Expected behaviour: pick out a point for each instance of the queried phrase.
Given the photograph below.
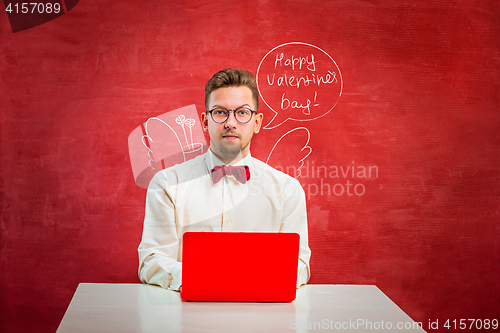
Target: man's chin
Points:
(227, 151)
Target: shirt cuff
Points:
(303, 274)
(176, 274)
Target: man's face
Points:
(230, 140)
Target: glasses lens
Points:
(219, 115)
(243, 115)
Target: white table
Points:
(145, 308)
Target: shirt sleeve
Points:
(158, 250)
(294, 219)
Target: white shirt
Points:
(184, 198)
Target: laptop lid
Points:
(239, 266)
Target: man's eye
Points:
(219, 112)
(243, 112)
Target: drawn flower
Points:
(180, 119)
(190, 123)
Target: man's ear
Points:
(204, 121)
(258, 122)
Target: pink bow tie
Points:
(241, 173)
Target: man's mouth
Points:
(230, 136)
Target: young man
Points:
(225, 189)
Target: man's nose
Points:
(231, 121)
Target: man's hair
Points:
(232, 77)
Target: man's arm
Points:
(294, 219)
(159, 247)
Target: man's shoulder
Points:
(194, 167)
(192, 163)
(267, 170)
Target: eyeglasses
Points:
(220, 114)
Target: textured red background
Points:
(421, 102)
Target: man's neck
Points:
(230, 160)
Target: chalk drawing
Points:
(163, 141)
(283, 146)
(189, 148)
(298, 81)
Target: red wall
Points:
(420, 104)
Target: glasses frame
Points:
(234, 114)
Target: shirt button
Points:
(228, 192)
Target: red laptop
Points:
(239, 266)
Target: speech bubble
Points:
(298, 81)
